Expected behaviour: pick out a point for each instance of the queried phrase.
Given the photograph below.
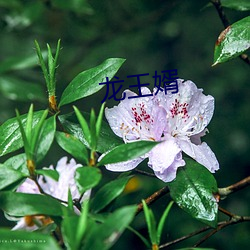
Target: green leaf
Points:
(151, 223)
(19, 90)
(8, 176)
(241, 5)
(105, 235)
(87, 82)
(127, 152)
(87, 177)
(10, 136)
(232, 41)
(19, 63)
(195, 248)
(193, 191)
(53, 174)
(108, 193)
(162, 221)
(20, 204)
(18, 162)
(16, 240)
(107, 139)
(99, 121)
(73, 146)
(92, 127)
(46, 138)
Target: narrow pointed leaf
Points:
(127, 152)
(108, 193)
(87, 177)
(99, 121)
(87, 82)
(73, 146)
(232, 41)
(193, 191)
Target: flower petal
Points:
(165, 158)
(201, 153)
(189, 110)
(137, 118)
(125, 166)
(29, 187)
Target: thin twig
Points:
(144, 173)
(223, 192)
(224, 211)
(152, 198)
(226, 23)
(235, 220)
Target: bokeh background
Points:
(150, 35)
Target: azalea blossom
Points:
(177, 120)
(58, 189)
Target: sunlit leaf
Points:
(193, 191)
(232, 41)
(87, 82)
(242, 5)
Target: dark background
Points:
(150, 35)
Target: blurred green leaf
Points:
(20, 90)
(9, 175)
(127, 152)
(16, 240)
(107, 139)
(232, 41)
(10, 136)
(195, 248)
(78, 6)
(19, 62)
(21, 204)
(193, 191)
(73, 146)
(87, 177)
(105, 235)
(242, 5)
(108, 193)
(87, 82)
(46, 137)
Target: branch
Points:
(235, 220)
(144, 173)
(226, 23)
(223, 192)
(152, 198)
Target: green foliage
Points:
(87, 178)
(87, 82)
(233, 41)
(241, 5)
(127, 152)
(108, 193)
(17, 240)
(110, 230)
(193, 190)
(29, 204)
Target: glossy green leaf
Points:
(105, 235)
(108, 193)
(46, 138)
(193, 191)
(20, 204)
(9, 175)
(87, 82)
(241, 5)
(127, 152)
(195, 248)
(18, 162)
(10, 136)
(87, 177)
(16, 240)
(19, 90)
(53, 174)
(232, 41)
(73, 146)
(107, 138)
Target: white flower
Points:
(178, 120)
(58, 189)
